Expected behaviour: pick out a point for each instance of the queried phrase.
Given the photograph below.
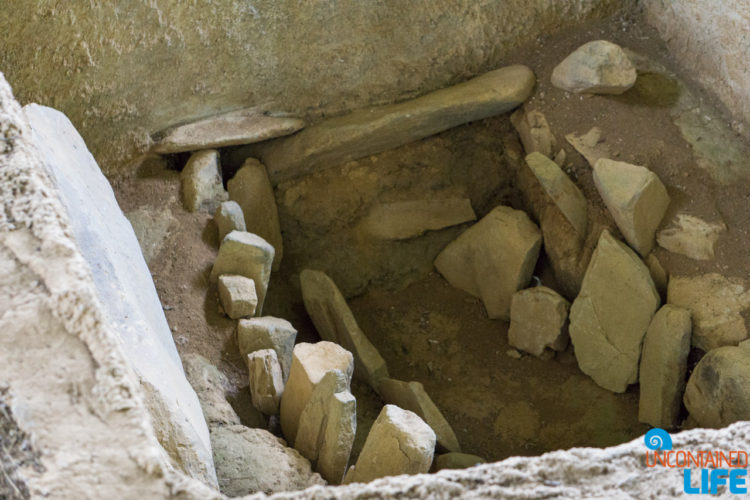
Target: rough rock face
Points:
(202, 187)
(610, 316)
(228, 218)
(691, 236)
(407, 219)
(598, 67)
(267, 332)
(266, 381)
(493, 259)
(538, 318)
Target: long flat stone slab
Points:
(373, 130)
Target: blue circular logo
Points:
(658, 439)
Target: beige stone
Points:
(610, 316)
(412, 396)
(691, 236)
(716, 304)
(590, 145)
(408, 219)
(534, 131)
(247, 255)
(538, 320)
(202, 187)
(251, 189)
(563, 192)
(663, 366)
(373, 130)
(267, 332)
(228, 218)
(717, 391)
(266, 382)
(658, 273)
(399, 442)
(244, 126)
(455, 460)
(208, 383)
(493, 259)
(635, 197)
(237, 295)
(335, 322)
(310, 363)
(598, 67)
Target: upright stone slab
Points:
(373, 130)
(202, 187)
(412, 396)
(248, 255)
(237, 295)
(266, 382)
(493, 259)
(538, 320)
(310, 363)
(335, 322)
(228, 218)
(598, 67)
(399, 442)
(610, 316)
(267, 332)
(534, 131)
(408, 219)
(251, 188)
(663, 366)
(635, 197)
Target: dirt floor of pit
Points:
(426, 330)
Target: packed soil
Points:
(499, 404)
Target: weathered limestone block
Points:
(251, 188)
(229, 129)
(563, 192)
(266, 381)
(663, 366)
(228, 218)
(534, 131)
(237, 295)
(335, 322)
(412, 396)
(493, 259)
(538, 318)
(255, 461)
(635, 197)
(590, 145)
(399, 442)
(610, 316)
(254, 334)
(717, 392)
(691, 236)
(373, 130)
(407, 219)
(327, 427)
(716, 304)
(247, 255)
(598, 67)
(310, 363)
(202, 187)
(455, 460)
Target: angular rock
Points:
(716, 304)
(610, 316)
(247, 255)
(717, 392)
(228, 218)
(663, 366)
(635, 197)
(457, 461)
(151, 227)
(538, 318)
(335, 322)
(534, 131)
(563, 192)
(227, 129)
(327, 427)
(237, 295)
(202, 187)
(590, 145)
(399, 442)
(691, 236)
(254, 334)
(407, 219)
(598, 67)
(658, 273)
(310, 363)
(255, 461)
(373, 130)
(266, 382)
(412, 396)
(493, 259)
(251, 189)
